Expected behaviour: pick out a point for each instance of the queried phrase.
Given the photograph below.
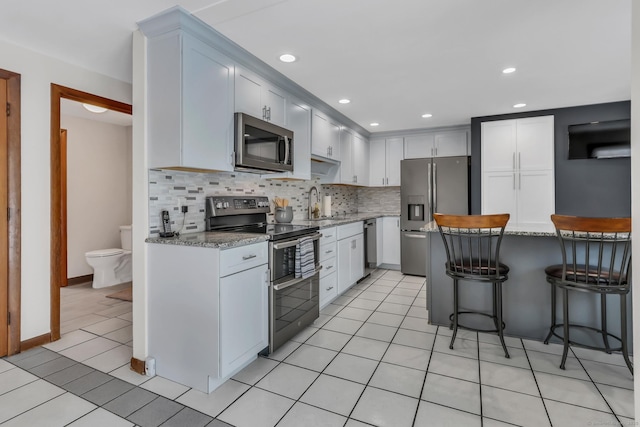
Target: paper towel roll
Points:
(326, 206)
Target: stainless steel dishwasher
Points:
(370, 246)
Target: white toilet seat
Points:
(104, 253)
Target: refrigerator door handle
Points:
(435, 190)
(429, 200)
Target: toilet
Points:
(112, 266)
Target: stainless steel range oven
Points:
(294, 303)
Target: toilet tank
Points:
(125, 237)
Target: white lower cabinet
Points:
(328, 275)
(208, 311)
(350, 255)
(244, 309)
(390, 248)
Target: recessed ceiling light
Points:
(344, 101)
(287, 57)
(374, 124)
(509, 70)
(519, 105)
(94, 108)
(427, 115)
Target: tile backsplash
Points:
(169, 189)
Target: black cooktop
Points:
(275, 231)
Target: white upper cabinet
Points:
(258, 98)
(418, 146)
(299, 121)
(437, 144)
(354, 158)
(518, 170)
(360, 155)
(325, 136)
(385, 156)
(347, 175)
(451, 143)
(190, 104)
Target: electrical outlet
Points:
(185, 208)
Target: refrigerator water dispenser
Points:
(416, 212)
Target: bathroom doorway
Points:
(10, 231)
(59, 196)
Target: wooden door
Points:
(4, 229)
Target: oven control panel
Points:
(236, 205)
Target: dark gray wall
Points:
(584, 187)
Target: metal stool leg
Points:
(623, 331)
(553, 313)
(498, 309)
(565, 320)
(455, 312)
(603, 322)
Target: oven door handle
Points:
(284, 245)
(290, 283)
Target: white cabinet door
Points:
(395, 154)
(360, 155)
(344, 264)
(418, 146)
(390, 240)
(190, 102)
(377, 162)
(499, 194)
(498, 145)
(275, 103)
(357, 257)
(299, 121)
(347, 176)
(325, 137)
(258, 98)
(535, 137)
(244, 316)
(536, 198)
(449, 144)
(248, 94)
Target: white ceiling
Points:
(75, 109)
(394, 59)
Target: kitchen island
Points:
(526, 295)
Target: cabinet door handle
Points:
(519, 181)
(519, 163)
(264, 112)
(382, 181)
(329, 251)
(387, 181)
(330, 267)
(513, 160)
(247, 257)
(269, 114)
(436, 151)
(329, 288)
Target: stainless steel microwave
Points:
(262, 146)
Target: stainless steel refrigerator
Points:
(426, 186)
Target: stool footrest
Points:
(468, 328)
(552, 331)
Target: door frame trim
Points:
(58, 214)
(14, 202)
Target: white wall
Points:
(98, 188)
(37, 73)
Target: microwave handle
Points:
(286, 150)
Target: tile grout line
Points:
(533, 372)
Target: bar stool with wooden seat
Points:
(596, 258)
(472, 244)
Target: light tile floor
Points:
(371, 359)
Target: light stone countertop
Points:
(542, 231)
(212, 239)
(343, 219)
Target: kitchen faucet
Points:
(312, 211)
